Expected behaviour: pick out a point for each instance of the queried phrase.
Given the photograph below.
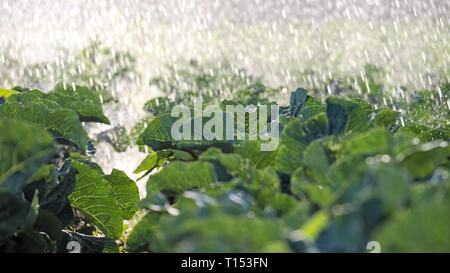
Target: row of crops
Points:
(348, 170)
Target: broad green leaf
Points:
(434, 188)
(345, 116)
(363, 103)
(189, 233)
(264, 185)
(158, 134)
(297, 216)
(423, 159)
(347, 172)
(138, 129)
(423, 229)
(386, 117)
(231, 162)
(180, 155)
(125, 192)
(316, 156)
(94, 197)
(373, 141)
(260, 179)
(252, 151)
(62, 123)
(180, 176)
(44, 172)
(305, 184)
(292, 144)
(312, 179)
(294, 139)
(282, 203)
(23, 149)
(86, 160)
(392, 185)
(312, 110)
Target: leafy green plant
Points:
(346, 172)
(343, 174)
(46, 194)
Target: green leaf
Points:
(312, 110)
(386, 117)
(423, 159)
(62, 123)
(345, 173)
(373, 141)
(189, 233)
(94, 197)
(316, 156)
(181, 155)
(180, 176)
(138, 129)
(306, 184)
(142, 232)
(252, 151)
(83, 100)
(86, 160)
(312, 179)
(265, 186)
(23, 149)
(149, 162)
(363, 103)
(292, 144)
(231, 162)
(392, 185)
(423, 229)
(158, 135)
(157, 159)
(282, 203)
(125, 191)
(294, 139)
(345, 116)
(298, 100)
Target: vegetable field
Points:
(175, 126)
(345, 173)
